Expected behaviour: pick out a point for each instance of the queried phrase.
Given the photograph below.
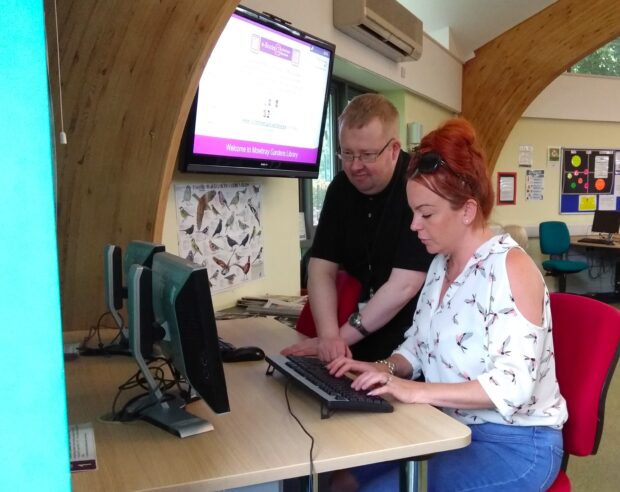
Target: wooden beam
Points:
(130, 70)
(510, 71)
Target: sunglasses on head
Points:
(430, 162)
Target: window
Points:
(604, 61)
(312, 191)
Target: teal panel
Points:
(33, 424)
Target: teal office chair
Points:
(555, 242)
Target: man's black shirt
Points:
(368, 236)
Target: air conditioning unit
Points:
(383, 25)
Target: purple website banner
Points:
(253, 150)
(276, 49)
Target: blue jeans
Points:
(500, 458)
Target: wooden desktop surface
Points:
(258, 441)
(574, 241)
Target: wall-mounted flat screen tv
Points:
(261, 102)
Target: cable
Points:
(63, 135)
(102, 349)
(288, 405)
(156, 367)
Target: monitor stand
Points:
(160, 409)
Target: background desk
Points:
(258, 441)
(613, 249)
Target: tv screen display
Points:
(261, 102)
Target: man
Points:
(364, 229)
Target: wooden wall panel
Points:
(129, 73)
(509, 72)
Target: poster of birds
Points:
(219, 226)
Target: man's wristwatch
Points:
(355, 320)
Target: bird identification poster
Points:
(219, 226)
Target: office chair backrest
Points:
(586, 333)
(554, 237)
(348, 289)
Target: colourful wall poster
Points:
(587, 171)
(219, 227)
(588, 180)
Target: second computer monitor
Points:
(606, 221)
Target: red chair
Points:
(586, 333)
(348, 289)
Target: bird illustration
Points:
(256, 189)
(230, 221)
(231, 242)
(244, 241)
(200, 208)
(218, 228)
(190, 256)
(235, 199)
(245, 268)
(254, 211)
(195, 246)
(215, 210)
(215, 275)
(222, 199)
(213, 246)
(205, 230)
(253, 233)
(260, 252)
(223, 265)
(230, 278)
(187, 195)
(189, 230)
(242, 225)
(184, 213)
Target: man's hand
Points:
(309, 346)
(330, 348)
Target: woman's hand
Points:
(340, 366)
(381, 384)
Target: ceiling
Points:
(462, 26)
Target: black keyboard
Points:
(333, 393)
(595, 240)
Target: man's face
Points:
(368, 178)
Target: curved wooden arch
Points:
(509, 72)
(130, 70)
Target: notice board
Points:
(590, 180)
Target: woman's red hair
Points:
(455, 141)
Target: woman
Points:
(481, 333)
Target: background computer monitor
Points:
(606, 221)
(170, 305)
(116, 269)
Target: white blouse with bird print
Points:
(478, 333)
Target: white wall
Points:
(437, 76)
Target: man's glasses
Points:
(429, 163)
(364, 157)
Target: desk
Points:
(258, 441)
(610, 248)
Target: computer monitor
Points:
(606, 222)
(116, 269)
(170, 305)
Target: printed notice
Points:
(83, 455)
(534, 184)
